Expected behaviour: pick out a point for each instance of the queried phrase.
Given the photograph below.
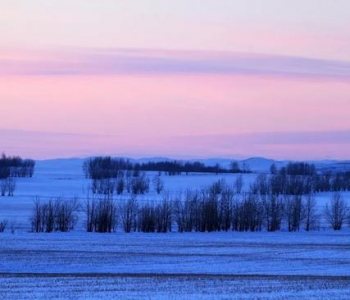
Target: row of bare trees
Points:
(15, 166)
(11, 167)
(216, 208)
(104, 214)
(135, 185)
(101, 214)
(205, 211)
(302, 178)
(54, 215)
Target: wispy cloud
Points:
(133, 61)
(276, 138)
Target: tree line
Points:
(126, 183)
(117, 175)
(108, 167)
(54, 215)
(219, 207)
(11, 167)
(15, 166)
(298, 178)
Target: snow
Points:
(221, 265)
(174, 265)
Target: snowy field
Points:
(175, 266)
(226, 265)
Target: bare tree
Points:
(181, 214)
(140, 184)
(293, 211)
(3, 187)
(158, 183)
(11, 186)
(337, 212)
(128, 212)
(154, 217)
(273, 210)
(49, 215)
(37, 217)
(209, 211)
(103, 186)
(273, 169)
(120, 185)
(147, 218)
(217, 187)
(164, 213)
(101, 214)
(66, 214)
(188, 212)
(8, 186)
(90, 210)
(225, 208)
(54, 215)
(247, 213)
(310, 212)
(238, 184)
(106, 219)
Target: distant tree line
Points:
(295, 168)
(126, 183)
(178, 167)
(15, 166)
(117, 175)
(11, 167)
(298, 178)
(109, 177)
(108, 167)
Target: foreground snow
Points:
(172, 287)
(188, 266)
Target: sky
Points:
(182, 79)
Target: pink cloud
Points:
(153, 113)
(131, 61)
(172, 105)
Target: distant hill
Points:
(261, 164)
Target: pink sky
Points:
(71, 89)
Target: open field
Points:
(188, 266)
(220, 265)
(108, 286)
